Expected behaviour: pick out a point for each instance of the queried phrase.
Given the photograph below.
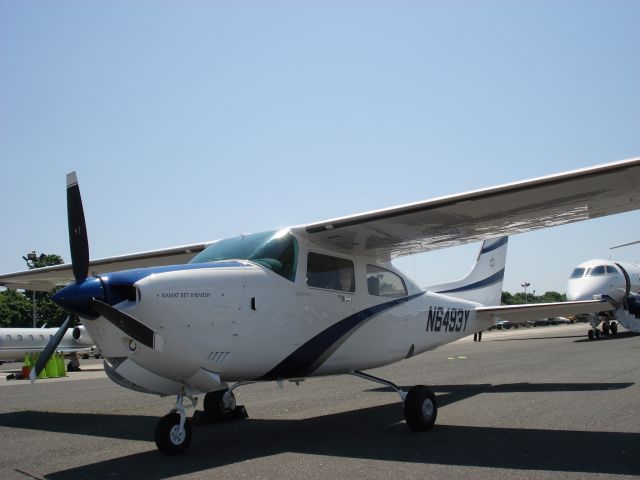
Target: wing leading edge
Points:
(47, 278)
(480, 214)
(534, 311)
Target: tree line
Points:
(519, 298)
(16, 306)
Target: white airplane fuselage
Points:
(237, 320)
(619, 281)
(602, 277)
(16, 342)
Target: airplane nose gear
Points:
(173, 431)
(420, 404)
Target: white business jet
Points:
(317, 299)
(16, 342)
(619, 282)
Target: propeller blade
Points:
(49, 349)
(78, 240)
(129, 325)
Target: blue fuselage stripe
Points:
(305, 359)
(497, 244)
(495, 278)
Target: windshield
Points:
(275, 250)
(596, 271)
(577, 273)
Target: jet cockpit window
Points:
(596, 271)
(611, 269)
(384, 283)
(331, 273)
(275, 250)
(577, 273)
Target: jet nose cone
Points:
(75, 298)
(574, 292)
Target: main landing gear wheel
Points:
(614, 328)
(420, 408)
(169, 437)
(220, 404)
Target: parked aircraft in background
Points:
(16, 342)
(317, 299)
(617, 281)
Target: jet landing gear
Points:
(420, 404)
(173, 431)
(608, 328)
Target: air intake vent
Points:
(218, 357)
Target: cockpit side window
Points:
(611, 269)
(384, 283)
(577, 273)
(331, 273)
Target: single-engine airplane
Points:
(316, 299)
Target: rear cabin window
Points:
(330, 273)
(385, 283)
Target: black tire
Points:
(214, 405)
(166, 434)
(420, 408)
(605, 329)
(598, 333)
(614, 328)
(590, 335)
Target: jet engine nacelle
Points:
(80, 336)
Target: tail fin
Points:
(483, 284)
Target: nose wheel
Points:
(173, 431)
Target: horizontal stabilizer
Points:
(535, 311)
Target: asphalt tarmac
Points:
(536, 403)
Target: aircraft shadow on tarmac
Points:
(375, 433)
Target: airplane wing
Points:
(482, 214)
(47, 278)
(535, 311)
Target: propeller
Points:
(50, 348)
(129, 325)
(80, 297)
(78, 240)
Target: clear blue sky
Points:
(191, 121)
